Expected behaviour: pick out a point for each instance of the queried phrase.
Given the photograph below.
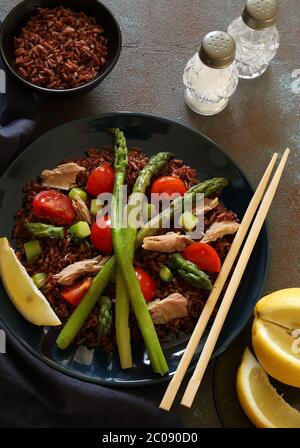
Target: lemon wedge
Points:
(26, 297)
(281, 307)
(277, 351)
(259, 399)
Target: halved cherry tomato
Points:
(204, 256)
(54, 206)
(101, 180)
(101, 236)
(147, 284)
(73, 294)
(169, 185)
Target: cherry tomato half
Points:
(169, 185)
(147, 284)
(204, 256)
(101, 236)
(54, 206)
(101, 180)
(73, 294)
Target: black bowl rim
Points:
(85, 86)
(116, 383)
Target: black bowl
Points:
(19, 16)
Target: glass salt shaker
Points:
(256, 37)
(211, 75)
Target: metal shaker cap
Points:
(217, 49)
(260, 14)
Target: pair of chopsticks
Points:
(265, 203)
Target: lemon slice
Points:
(259, 399)
(26, 297)
(277, 351)
(281, 307)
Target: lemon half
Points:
(276, 345)
(259, 399)
(281, 307)
(277, 352)
(26, 297)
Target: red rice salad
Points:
(63, 249)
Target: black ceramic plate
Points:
(151, 134)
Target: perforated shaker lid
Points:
(217, 49)
(260, 14)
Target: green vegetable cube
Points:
(188, 221)
(77, 192)
(32, 250)
(165, 274)
(80, 230)
(39, 279)
(94, 207)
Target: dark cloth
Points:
(18, 116)
(35, 395)
(31, 393)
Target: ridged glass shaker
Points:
(256, 37)
(211, 76)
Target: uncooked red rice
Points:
(59, 48)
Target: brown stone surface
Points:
(262, 117)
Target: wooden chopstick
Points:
(209, 346)
(185, 361)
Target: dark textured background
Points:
(263, 116)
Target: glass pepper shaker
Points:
(211, 75)
(256, 37)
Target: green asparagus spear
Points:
(140, 309)
(210, 186)
(105, 316)
(189, 272)
(87, 304)
(156, 163)
(44, 230)
(122, 303)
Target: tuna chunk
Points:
(170, 242)
(172, 307)
(72, 272)
(208, 204)
(82, 212)
(62, 177)
(219, 229)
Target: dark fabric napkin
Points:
(18, 115)
(31, 393)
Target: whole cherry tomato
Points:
(101, 180)
(54, 206)
(168, 185)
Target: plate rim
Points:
(137, 383)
